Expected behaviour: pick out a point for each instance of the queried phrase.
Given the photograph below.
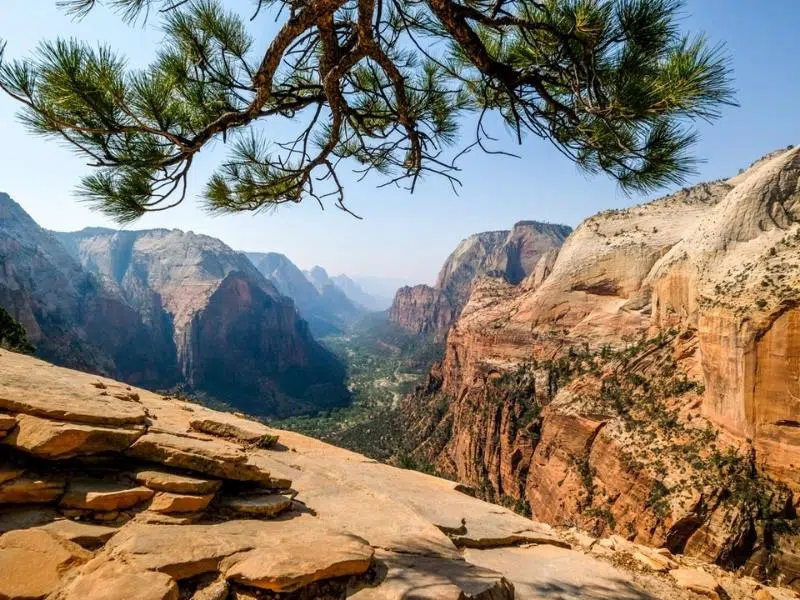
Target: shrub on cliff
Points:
(13, 335)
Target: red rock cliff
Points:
(646, 381)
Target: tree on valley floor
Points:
(380, 86)
(12, 335)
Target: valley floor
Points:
(383, 365)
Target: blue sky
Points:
(405, 235)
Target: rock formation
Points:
(508, 255)
(326, 307)
(111, 492)
(69, 315)
(232, 334)
(643, 381)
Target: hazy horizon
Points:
(401, 235)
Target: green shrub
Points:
(13, 335)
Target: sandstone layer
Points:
(644, 380)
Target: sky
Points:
(402, 235)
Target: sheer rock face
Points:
(719, 263)
(231, 332)
(70, 316)
(508, 255)
(421, 310)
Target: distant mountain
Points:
(511, 255)
(382, 289)
(289, 280)
(357, 294)
(231, 332)
(326, 308)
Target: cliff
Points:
(643, 381)
(234, 335)
(507, 255)
(110, 492)
(69, 315)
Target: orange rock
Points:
(34, 563)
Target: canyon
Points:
(642, 379)
(167, 309)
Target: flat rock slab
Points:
(230, 426)
(169, 503)
(114, 581)
(103, 496)
(181, 551)
(164, 481)
(504, 531)
(402, 576)
(266, 554)
(298, 556)
(31, 488)
(548, 572)
(697, 581)
(218, 458)
(34, 563)
(47, 438)
(34, 387)
(263, 505)
(84, 534)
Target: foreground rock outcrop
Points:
(110, 492)
(643, 379)
(507, 255)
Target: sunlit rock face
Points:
(507, 255)
(662, 340)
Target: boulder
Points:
(215, 590)
(697, 581)
(59, 439)
(164, 481)
(103, 496)
(34, 563)
(654, 561)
